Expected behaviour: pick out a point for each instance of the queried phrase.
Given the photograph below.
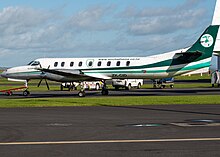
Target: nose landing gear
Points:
(26, 93)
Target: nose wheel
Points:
(26, 93)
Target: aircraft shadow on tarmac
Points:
(161, 109)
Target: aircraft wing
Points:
(62, 72)
(74, 74)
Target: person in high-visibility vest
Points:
(215, 78)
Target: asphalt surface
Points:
(176, 130)
(133, 92)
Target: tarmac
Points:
(156, 131)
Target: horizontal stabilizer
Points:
(188, 56)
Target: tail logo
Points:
(207, 40)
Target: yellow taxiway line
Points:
(108, 141)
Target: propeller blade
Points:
(47, 84)
(39, 83)
(43, 73)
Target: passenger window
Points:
(128, 63)
(71, 64)
(62, 64)
(55, 64)
(99, 63)
(90, 63)
(118, 63)
(108, 63)
(80, 64)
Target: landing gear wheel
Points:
(129, 87)
(105, 92)
(171, 86)
(116, 88)
(26, 93)
(97, 86)
(163, 86)
(82, 94)
(61, 87)
(104, 88)
(139, 86)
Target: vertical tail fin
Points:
(200, 53)
(206, 43)
(216, 17)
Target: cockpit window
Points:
(34, 63)
(30, 63)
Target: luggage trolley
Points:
(9, 92)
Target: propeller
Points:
(48, 87)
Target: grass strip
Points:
(111, 101)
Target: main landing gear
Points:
(82, 92)
(26, 92)
(104, 89)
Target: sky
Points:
(98, 28)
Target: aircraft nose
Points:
(4, 74)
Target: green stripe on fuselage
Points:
(141, 71)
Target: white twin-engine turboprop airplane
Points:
(165, 65)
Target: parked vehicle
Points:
(69, 85)
(163, 83)
(127, 83)
(95, 85)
